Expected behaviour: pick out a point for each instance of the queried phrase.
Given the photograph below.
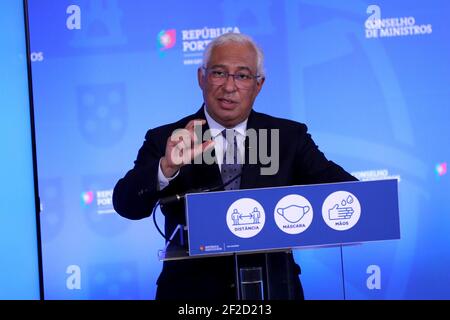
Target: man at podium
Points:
(167, 164)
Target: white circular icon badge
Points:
(246, 218)
(341, 210)
(293, 214)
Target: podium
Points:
(270, 222)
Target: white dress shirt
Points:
(219, 146)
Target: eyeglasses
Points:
(242, 79)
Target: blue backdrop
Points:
(19, 259)
(371, 82)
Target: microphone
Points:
(181, 196)
(178, 197)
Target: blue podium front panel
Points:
(291, 217)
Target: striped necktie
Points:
(230, 164)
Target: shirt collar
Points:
(216, 128)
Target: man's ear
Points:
(260, 84)
(201, 78)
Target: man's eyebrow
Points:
(244, 68)
(217, 66)
(224, 66)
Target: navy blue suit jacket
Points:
(300, 162)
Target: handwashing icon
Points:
(343, 212)
(293, 213)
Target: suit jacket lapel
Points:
(208, 175)
(251, 171)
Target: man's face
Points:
(227, 103)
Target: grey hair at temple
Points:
(239, 38)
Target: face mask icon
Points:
(293, 213)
